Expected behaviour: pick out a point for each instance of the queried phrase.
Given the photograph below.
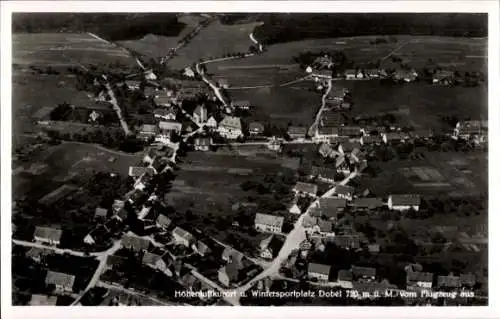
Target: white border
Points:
(7, 7)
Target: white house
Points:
(404, 202)
(211, 123)
(182, 237)
(268, 223)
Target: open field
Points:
(437, 173)
(154, 46)
(65, 161)
(425, 102)
(214, 41)
(66, 49)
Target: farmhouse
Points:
(393, 137)
(211, 123)
(137, 171)
(324, 174)
(325, 228)
(296, 132)
(305, 189)
(200, 114)
(230, 127)
(366, 273)
(345, 192)
(318, 271)
(135, 243)
(419, 279)
(163, 221)
(183, 237)
(370, 139)
(347, 241)
(62, 282)
(147, 131)
(332, 118)
(268, 223)
(101, 213)
(169, 127)
(244, 104)
(367, 203)
(155, 261)
(164, 98)
(255, 128)
(325, 133)
(42, 300)
(38, 254)
(169, 113)
(326, 150)
(351, 131)
(202, 144)
(404, 202)
(47, 235)
(330, 206)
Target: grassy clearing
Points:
(65, 49)
(215, 40)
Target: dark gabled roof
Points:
(36, 252)
(345, 275)
(266, 219)
(366, 202)
(297, 130)
(59, 278)
(405, 199)
(136, 171)
(325, 226)
(332, 203)
(363, 271)
(150, 258)
(323, 172)
(328, 130)
(344, 190)
(163, 220)
(414, 276)
(349, 131)
(468, 279)
(318, 269)
(114, 260)
(332, 118)
(183, 233)
(372, 139)
(346, 241)
(48, 233)
(256, 127)
(135, 242)
(448, 282)
(349, 146)
(122, 213)
(101, 212)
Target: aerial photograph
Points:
(249, 159)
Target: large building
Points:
(269, 223)
(47, 235)
(404, 202)
(230, 127)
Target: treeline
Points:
(279, 28)
(112, 26)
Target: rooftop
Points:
(318, 269)
(59, 278)
(306, 188)
(48, 233)
(266, 219)
(405, 199)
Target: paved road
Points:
(314, 126)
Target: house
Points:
(135, 243)
(202, 144)
(211, 123)
(468, 280)
(229, 274)
(99, 234)
(324, 174)
(371, 73)
(255, 128)
(341, 165)
(296, 132)
(201, 248)
(268, 223)
(147, 131)
(293, 208)
(370, 139)
(230, 127)
(305, 189)
(223, 83)
(330, 207)
(163, 98)
(347, 241)
(47, 235)
(169, 127)
(183, 237)
(325, 228)
(344, 278)
(326, 150)
(393, 137)
(163, 221)
(244, 104)
(38, 254)
(347, 147)
(332, 118)
(374, 248)
(346, 192)
(121, 214)
(62, 282)
(116, 262)
(137, 171)
(101, 213)
(309, 222)
(154, 261)
(133, 85)
(366, 203)
(143, 181)
(269, 247)
(448, 282)
(351, 131)
(200, 114)
(188, 71)
(325, 133)
(366, 273)
(167, 114)
(351, 74)
(404, 202)
(419, 279)
(319, 271)
(42, 300)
